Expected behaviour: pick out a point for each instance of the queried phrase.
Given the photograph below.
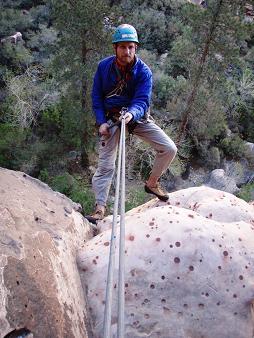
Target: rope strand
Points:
(120, 181)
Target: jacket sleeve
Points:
(141, 100)
(97, 98)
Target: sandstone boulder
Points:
(40, 290)
(189, 268)
(189, 265)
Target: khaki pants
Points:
(148, 132)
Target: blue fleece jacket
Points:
(135, 96)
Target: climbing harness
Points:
(120, 190)
(117, 91)
(122, 79)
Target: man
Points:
(124, 80)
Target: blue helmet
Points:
(125, 33)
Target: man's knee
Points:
(170, 150)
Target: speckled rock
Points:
(40, 290)
(189, 268)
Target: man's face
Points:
(125, 52)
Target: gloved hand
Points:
(127, 117)
(104, 129)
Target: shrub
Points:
(139, 158)
(82, 194)
(136, 197)
(233, 146)
(44, 175)
(75, 188)
(63, 183)
(247, 192)
(11, 145)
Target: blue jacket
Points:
(136, 96)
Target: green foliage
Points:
(142, 158)
(27, 94)
(240, 100)
(154, 21)
(12, 19)
(183, 51)
(247, 192)
(184, 150)
(49, 100)
(18, 153)
(198, 45)
(32, 153)
(83, 40)
(21, 150)
(149, 57)
(51, 116)
(207, 119)
(73, 187)
(44, 175)
(63, 183)
(11, 142)
(202, 62)
(136, 197)
(24, 17)
(178, 167)
(167, 88)
(83, 194)
(72, 123)
(246, 122)
(62, 122)
(17, 54)
(42, 42)
(233, 146)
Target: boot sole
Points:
(92, 219)
(163, 198)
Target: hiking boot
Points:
(98, 215)
(157, 191)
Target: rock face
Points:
(40, 289)
(219, 180)
(189, 268)
(189, 265)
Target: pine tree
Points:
(82, 40)
(217, 31)
(23, 75)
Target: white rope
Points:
(121, 284)
(109, 288)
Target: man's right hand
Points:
(104, 129)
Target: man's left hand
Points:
(127, 117)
